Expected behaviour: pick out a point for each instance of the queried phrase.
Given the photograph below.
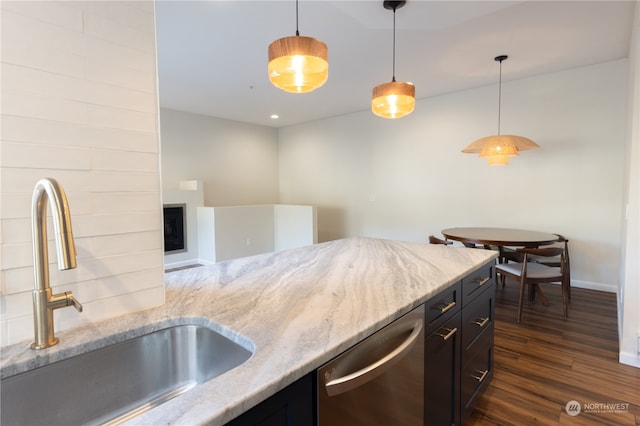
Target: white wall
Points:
(406, 179)
(237, 162)
(294, 226)
(629, 295)
(79, 104)
(238, 231)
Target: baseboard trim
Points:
(593, 286)
(629, 359)
(175, 265)
(609, 288)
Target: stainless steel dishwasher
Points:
(380, 381)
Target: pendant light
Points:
(298, 64)
(498, 148)
(394, 99)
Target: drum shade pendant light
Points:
(298, 64)
(498, 148)
(394, 99)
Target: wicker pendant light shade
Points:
(394, 99)
(298, 64)
(498, 148)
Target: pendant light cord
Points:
(393, 78)
(500, 59)
(499, 95)
(297, 32)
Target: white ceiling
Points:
(212, 55)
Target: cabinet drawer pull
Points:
(446, 333)
(481, 322)
(482, 281)
(445, 308)
(482, 375)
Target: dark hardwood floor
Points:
(546, 361)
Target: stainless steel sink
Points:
(115, 383)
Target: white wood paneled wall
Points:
(79, 103)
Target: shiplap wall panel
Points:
(79, 104)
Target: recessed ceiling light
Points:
(275, 116)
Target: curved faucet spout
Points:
(48, 191)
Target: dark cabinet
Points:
(476, 360)
(459, 348)
(442, 366)
(477, 371)
(292, 406)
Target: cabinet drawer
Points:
(477, 316)
(439, 308)
(477, 371)
(442, 374)
(473, 283)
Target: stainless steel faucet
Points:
(44, 302)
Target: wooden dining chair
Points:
(509, 254)
(530, 274)
(480, 246)
(557, 261)
(435, 240)
(506, 255)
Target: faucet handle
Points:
(72, 301)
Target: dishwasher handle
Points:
(358, 378)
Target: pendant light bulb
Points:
(394, 99)
(298, 64)
(498, 148)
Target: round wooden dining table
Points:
(502, 237)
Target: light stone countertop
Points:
(295, 310)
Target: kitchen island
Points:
(295, 310)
